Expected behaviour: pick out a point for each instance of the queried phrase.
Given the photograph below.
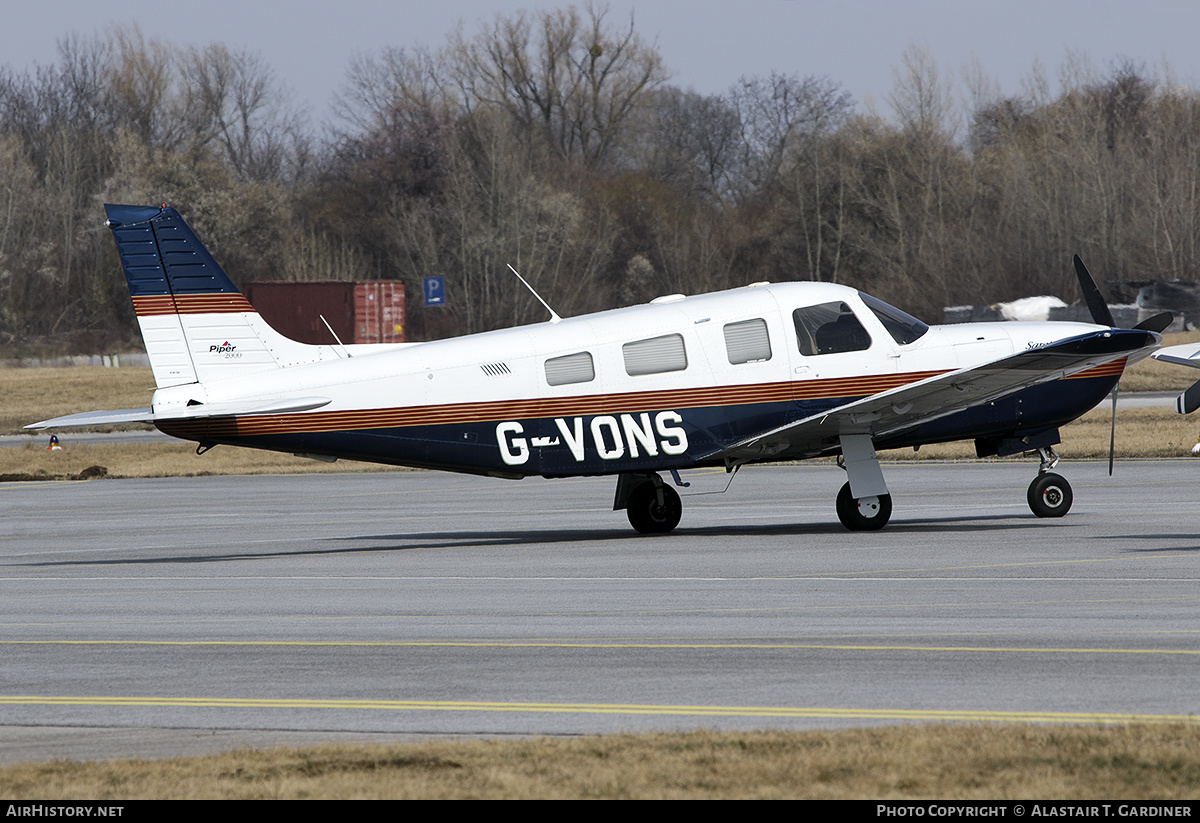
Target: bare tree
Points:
(237, 104)
(380, 89)
(564, 76)
(689, 141)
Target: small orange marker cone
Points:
(54, 447)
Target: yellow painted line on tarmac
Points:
(592, 644)
(798, 712)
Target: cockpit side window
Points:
(829, 328)
(904, 328)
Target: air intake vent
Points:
(495, 369)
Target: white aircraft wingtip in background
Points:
(756, 374)
(1187, 354)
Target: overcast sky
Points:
(707, 44)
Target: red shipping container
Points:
(364, 311)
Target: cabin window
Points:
(656, 355)
(829, 328)
(747, 341)
(571, 368)
(904, 328)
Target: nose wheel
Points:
(1050, 495)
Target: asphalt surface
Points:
(173, 616)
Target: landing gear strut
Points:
(873, 507)
(1049, 494)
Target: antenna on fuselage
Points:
(554, 318)
(345, 351)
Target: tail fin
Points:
(196, 325)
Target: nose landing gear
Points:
(1049, 494)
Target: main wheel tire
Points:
(1050, 495)
(859, 517)
(645, 513)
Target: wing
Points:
(906, 407)
(246, 407)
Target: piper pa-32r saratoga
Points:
(755, 374)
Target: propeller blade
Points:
(1112, 432)
(1092, 296)
(1189, 401)
(1157, 323)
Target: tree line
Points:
(554, 141)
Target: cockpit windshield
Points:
(904, 328)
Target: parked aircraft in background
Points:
(766, 372)
(1187, 354)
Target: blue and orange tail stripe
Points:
(220, 303)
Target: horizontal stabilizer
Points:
(97, 418)
(242, 407)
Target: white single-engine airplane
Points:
(761, 373)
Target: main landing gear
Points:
(653, 507)
(1049, 494)
(872, 508)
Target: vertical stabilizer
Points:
(196, 325)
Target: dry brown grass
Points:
(1149, 432)
(175, 459)
(904, 762)
(31, 395)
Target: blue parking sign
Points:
(435, 291)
